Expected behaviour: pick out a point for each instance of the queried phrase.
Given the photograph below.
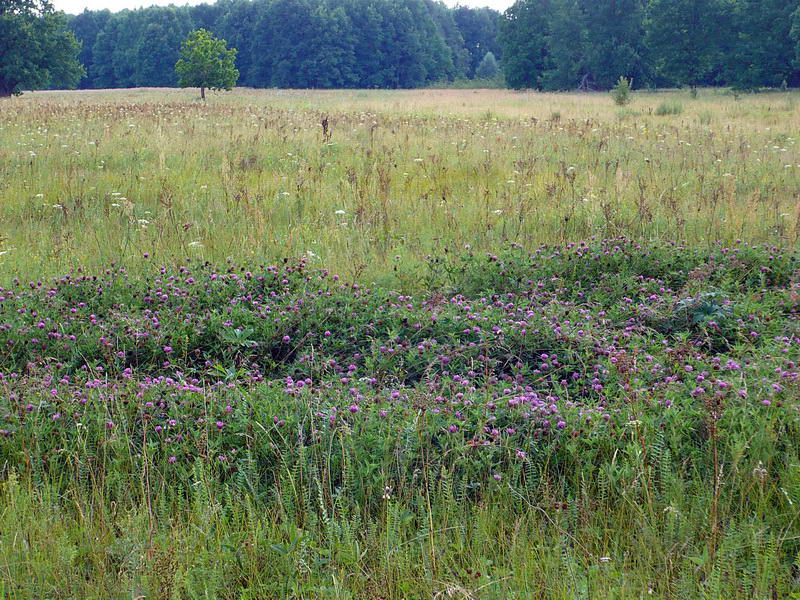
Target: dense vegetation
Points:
(206, 62)
(293, 43)
(36, 49)
(564, 44)
(546, 44)
(479, 405)
(368, 183)
(604, 415)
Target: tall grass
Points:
(94, 178)
(541, 418)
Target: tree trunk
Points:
(203, 93)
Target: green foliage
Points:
(86, 27)
(357, 43)
(488, 68)
(523, 39)
(206, 62)
(478, 28)
(554, 45)
(496, 82)
(164, 33)
(684, 38)
(656, 42)
(668, 108)
(36, 48)
(573, 43)
(759, 51)
(621, 92)
(672, 369)
(567, 46)
(615, 41)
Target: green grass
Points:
(212, 475)
(669, 108)
(119, 174)
(476, 407)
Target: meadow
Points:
(91, 178)
(467, 344)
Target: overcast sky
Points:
(77, 6)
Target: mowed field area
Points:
(95, 177)
(430, 344)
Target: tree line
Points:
(568, 44)
(293, 43)
(541, 44)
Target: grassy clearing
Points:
(101, 177)
(195, 407)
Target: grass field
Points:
(458, 344)
(97, 177)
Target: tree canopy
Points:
(544, 44)
(566, 44)
(36, 48)
(206, 62)
(294, 43)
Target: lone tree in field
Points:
(206, 62)
(36, 49)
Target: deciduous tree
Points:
(36, 48)
(206, 62)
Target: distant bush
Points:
(669, 108)
(621, 92)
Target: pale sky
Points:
(76, 6)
